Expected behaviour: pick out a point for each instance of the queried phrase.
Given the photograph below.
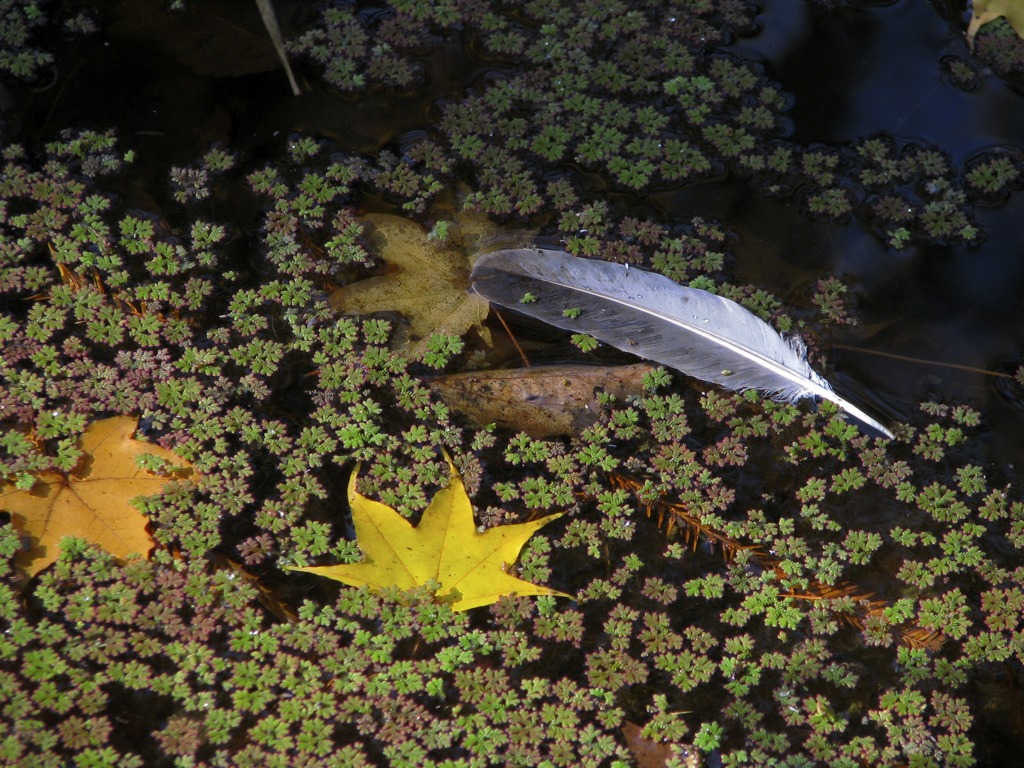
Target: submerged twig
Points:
(270, 22)
(670, 515)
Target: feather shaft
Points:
(699, 333)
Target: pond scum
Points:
(755, 583)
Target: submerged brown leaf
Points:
(543, 402)
(221, 38)
(427, 282)
(657, 754)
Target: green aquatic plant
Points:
(18, 24)
(994, 175)
(998, 45)
(754, 579)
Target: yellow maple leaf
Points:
(90, 502)
(428, 283)
(984, 11)
(445, 547)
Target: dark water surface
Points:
(870, 70)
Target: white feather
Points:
(703, 335)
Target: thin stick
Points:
(922, 361)
(526, 362)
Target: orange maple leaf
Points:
(92, 501)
